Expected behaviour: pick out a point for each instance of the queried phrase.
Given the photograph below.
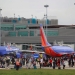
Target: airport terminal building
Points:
(21, 31)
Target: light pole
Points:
(18, 17)
(14, 22)
(31, 19)
(0, 26)
(36, 19)
(44, 21)
(46, 17)
(32, 16)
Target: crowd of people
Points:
(30, 62)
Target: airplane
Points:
(8, 49)
(53, 51)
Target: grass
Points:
(37, 72)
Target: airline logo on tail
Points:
(45, 45)
(8, 47)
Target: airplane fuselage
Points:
(58, 51)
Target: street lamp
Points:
(0, 26)
(46, 17)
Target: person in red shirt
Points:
(50, 62)
(58, 63)
(17, 64)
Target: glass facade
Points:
(10, 27)
(52, 33)
(12, 33)
(31, 33)
(18, 27)
(7, 27)
(23, 33)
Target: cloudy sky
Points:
(63, 10)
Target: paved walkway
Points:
(38, 66)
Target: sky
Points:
(63, 10)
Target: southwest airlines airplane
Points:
(54, 51)
(8, 49)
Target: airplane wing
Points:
(31, 51)
(37, 46)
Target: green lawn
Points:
(37, 72)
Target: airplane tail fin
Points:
(43, 37)
(9, 46)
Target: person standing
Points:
(54, 63)
(63, 62)
(41, 62)
(27, 63)
(34, 64)
(17, 64)
(58, 62)
(50, 61)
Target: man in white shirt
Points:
(41, 62)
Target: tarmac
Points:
(38, 66)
